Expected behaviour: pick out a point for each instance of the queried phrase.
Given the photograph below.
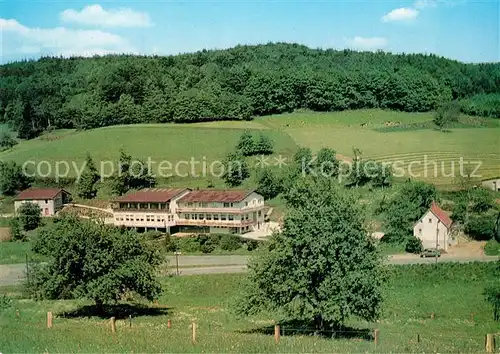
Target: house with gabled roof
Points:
(50, 200)
(433, 228)
(148, 209)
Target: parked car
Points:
(430, 252)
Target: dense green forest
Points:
(236, 83)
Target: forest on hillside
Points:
(236, 83)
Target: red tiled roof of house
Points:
(441, 214)
(213, 195)
(39, 193)
(152, 195)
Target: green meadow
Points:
(410, 139)
(453, 292)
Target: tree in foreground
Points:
(323, 268)
(93, 261)
(30, 216)
(87, 184)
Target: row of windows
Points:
(216, 217)
(215, 205)
(144, 206)
(209, 217)
(149, 218)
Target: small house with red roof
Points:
(434, 228)
(50, 200)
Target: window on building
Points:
(420, 232)
(246, 203)
(189, 204)
(201, 216)
(430, 220)
(247, 216)
(46, 201)
(209, 216)
(260, 213)
(216, 216)
(230, 217)
(226, 205)
(195, 216)
(223, 216)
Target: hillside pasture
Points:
(385, 136)
(173, 143)
(475, 141)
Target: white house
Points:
(434, 228)
(50, 200)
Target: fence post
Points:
(18, 314)
(277, 333)
(49, 319)
(490, 343)
(130, 320)
(193, 339)
(376, 333)
(433, 315)
(418, 338)
(113, 324)
(169, 324)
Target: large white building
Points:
(434, 228)
(209, 210)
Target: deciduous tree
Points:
(86, 259)
(87, 184)
(323, 268)
(30, 216)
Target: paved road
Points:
(11, 274)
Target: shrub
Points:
(492, 248)
(414, 245)
(481, 227)
(153, 235)
(16, 233)
(229, 242)
(5, 302)
(30, 216)
(252, 245)
(188, 244)
(208, 243)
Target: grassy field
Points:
(381, 135)
(452, 292)
(476, 140)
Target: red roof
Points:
(39, 193)
(441, 214)
(151, 195)
(213, 195)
